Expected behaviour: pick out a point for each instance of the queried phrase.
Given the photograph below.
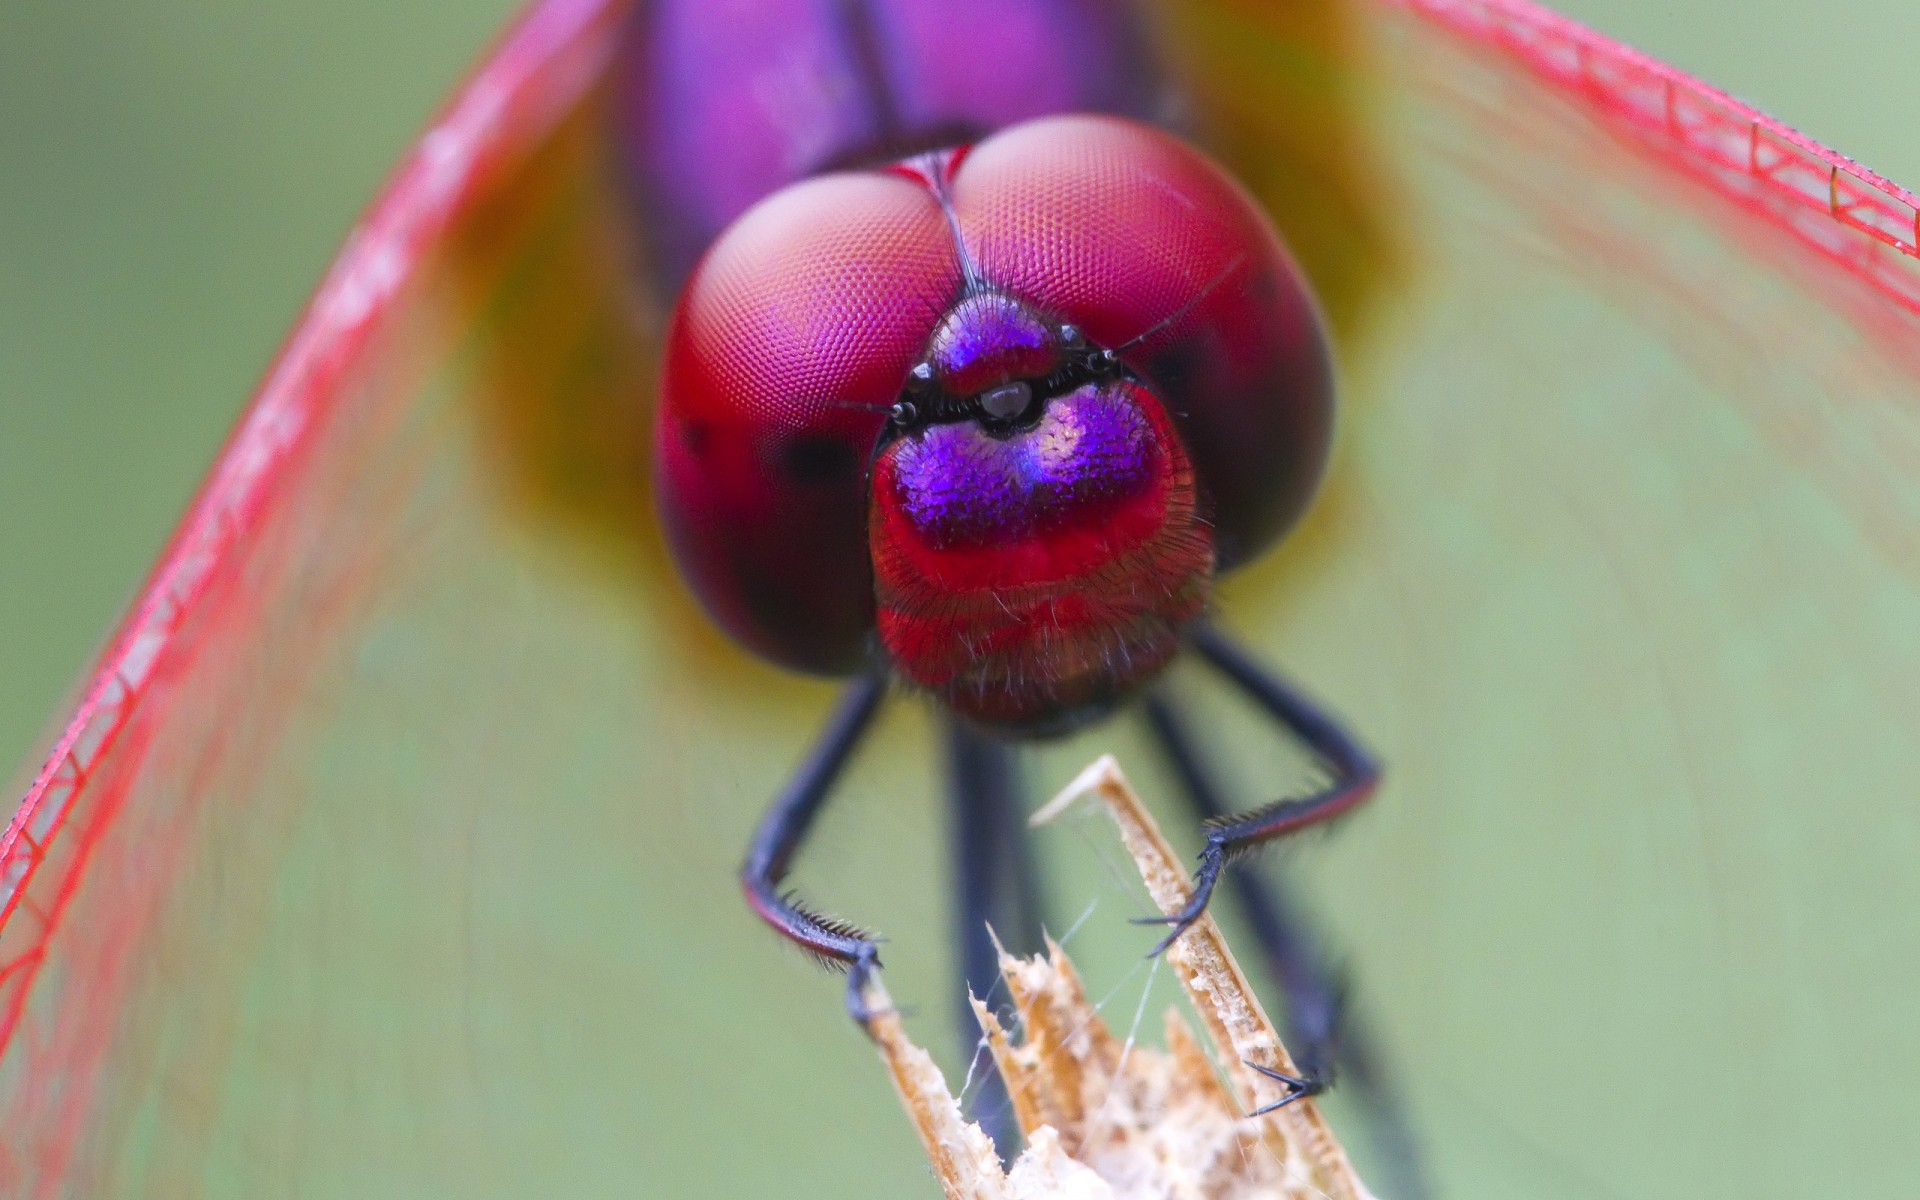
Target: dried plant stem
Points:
(1105, 1121)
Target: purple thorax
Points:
(724, 102)
(962, 485)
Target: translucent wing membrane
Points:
(392, 847)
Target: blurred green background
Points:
(175, 177)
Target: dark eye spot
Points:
(1176, 365)
(817, 460)
(695, 435)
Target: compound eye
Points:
(1008, 402)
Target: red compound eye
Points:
(788, 347)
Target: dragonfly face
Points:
(1002, 405)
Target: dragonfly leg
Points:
(1353, 775)
(1313, 994)
(1298, 1087)
(784, 828)
(1321, 1031)
(995, 886)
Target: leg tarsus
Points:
(1299, 1087)
(1352, 774)
(784, 828)
(1213, 861)
(859, 974)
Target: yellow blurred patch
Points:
(562, 343)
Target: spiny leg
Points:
(1352, 775)
(1313, 996)
(995, 886)
(1322, 1035)
(784, 828)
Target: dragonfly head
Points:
(998, 414)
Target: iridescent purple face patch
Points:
(963, 485)
(989, 339)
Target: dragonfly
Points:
(391, 845)
(980, 389)
(980, 393)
